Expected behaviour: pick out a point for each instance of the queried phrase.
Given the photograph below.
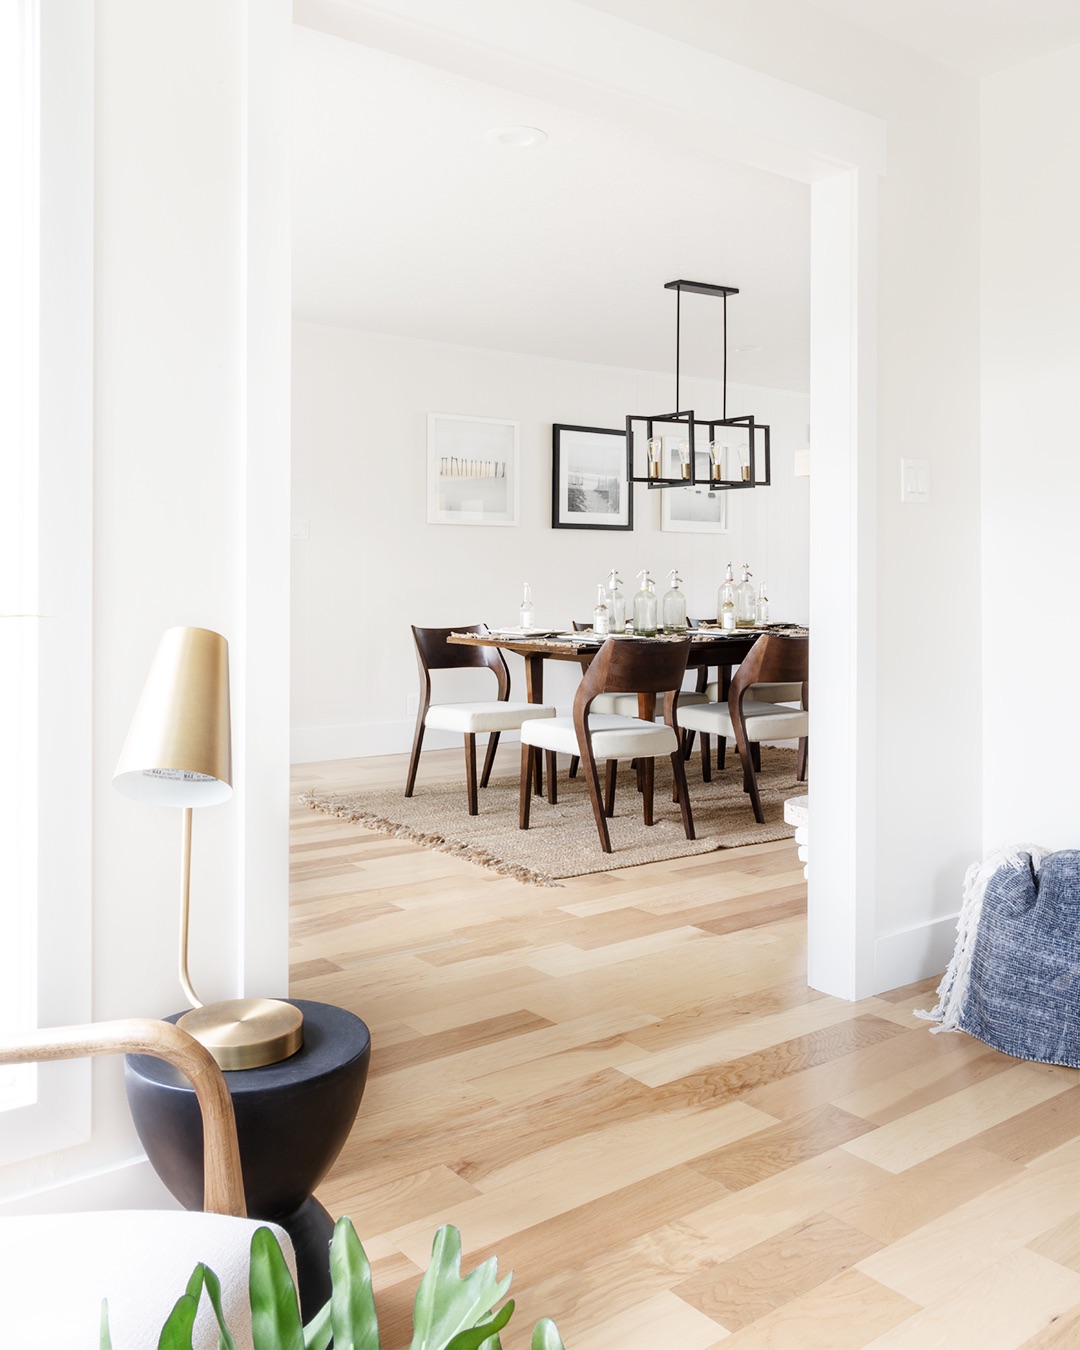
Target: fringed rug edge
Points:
(396, 830)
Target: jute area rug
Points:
(561, 840)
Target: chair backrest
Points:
(223, 1186)
(629, 667)
(433, 652)
(773, 659)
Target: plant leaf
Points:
(546, 1336)
(105, 1342)
(485, 1335)
(446, 1303)
(352, 1304)
(275, 1312)
(176, 1333)
(318, 1332)
(213, 1288)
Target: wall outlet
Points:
(412, 703)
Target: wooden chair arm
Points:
(223, 1182)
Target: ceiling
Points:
(408, 221)
(978, 36)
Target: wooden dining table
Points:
(708, 647)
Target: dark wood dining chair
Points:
(434, 652)
(626, 705)
(780, 662)
(620, 667)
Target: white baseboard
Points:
(129, 1185)
(310, 745)
(913, 954)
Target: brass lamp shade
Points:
(178, 750)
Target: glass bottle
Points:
(745, 599)
(525, 613)
(674, 606)
(645, 606)
(725, 599)
(761, 608)
(616, 603)
(601, 613)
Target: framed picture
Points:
(589, 489)
(472, 470)
(692, 510)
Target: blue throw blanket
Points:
(1014, 979)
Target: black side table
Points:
(292, 1119)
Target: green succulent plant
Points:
(451, 1312)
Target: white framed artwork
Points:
(700, 509)
(472, 470)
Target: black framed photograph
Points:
(589, 487)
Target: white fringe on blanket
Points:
(952, 991)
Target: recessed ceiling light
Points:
(516, 138)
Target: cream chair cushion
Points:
(612, 737)
(58, 1268)
(763, 693)
(491, 716)
(626, 705)
(765, 721)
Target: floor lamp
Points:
(178, 752)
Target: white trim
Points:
(61, 1114)
(904, 957)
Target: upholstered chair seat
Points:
(470, 718)
(765, 721)
(613, 736)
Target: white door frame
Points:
(572, 54)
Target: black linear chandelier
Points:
(681, 450)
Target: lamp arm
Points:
(185, 904)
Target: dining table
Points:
(709, 647)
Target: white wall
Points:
(372, 564)
(1031, 460)
(190, 511)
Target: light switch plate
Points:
(914, 480)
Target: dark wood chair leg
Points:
(721, 751)
(746, 755)
(678, 769)
(489, 758)
(800, 770)
(470, 773)
(538, 773)
(755, 755)
(573, 766)
(647, 790)
(414, 758)
(688, 744)
(552, 777)
(525, 795)
(592, 778)
(706, 757)
(609, 793)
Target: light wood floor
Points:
(623, 1087)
